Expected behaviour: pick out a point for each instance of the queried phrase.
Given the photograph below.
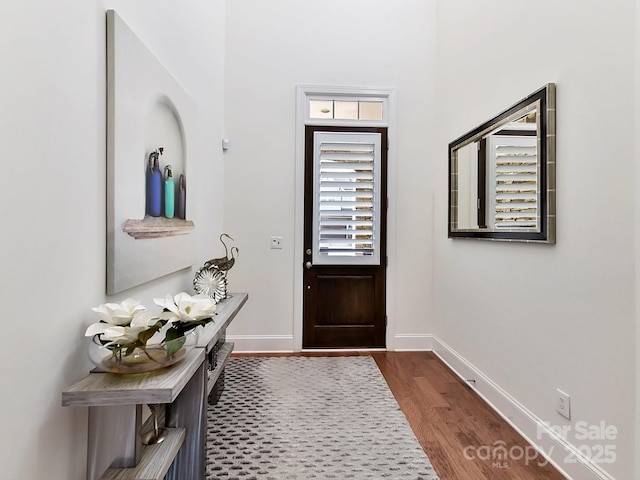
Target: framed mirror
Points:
(502, 174)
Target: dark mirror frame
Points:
(544, 102)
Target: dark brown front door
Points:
(345, 237)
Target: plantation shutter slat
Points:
(346, 198)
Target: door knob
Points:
(308, 265)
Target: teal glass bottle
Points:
(169, 193)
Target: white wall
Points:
(272, 47)
(52, 145)
(570, 320)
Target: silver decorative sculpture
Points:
(211, 278)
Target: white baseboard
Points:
(412, 342)
(261, 343)
(558, 451)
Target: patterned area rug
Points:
(310, 418)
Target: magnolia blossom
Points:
(123, 334)
(186, 308)
(119, 313)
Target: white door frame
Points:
(303, 94)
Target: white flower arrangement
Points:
(125, 326)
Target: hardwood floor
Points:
(458, 431)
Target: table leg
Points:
(114, 438)
(189, 411)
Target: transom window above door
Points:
(345, 106)
(346, 109)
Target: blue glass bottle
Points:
(169, 193)
(156, 186)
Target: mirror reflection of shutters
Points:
(346, 209)
(515, 173)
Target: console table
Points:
(115, 402)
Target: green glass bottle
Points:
(169, 193)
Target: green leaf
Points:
(172, 334)
(145, 335)
(185, 327)
(174, 345)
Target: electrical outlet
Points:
(563, 404)
(276, 242)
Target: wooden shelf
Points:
(226, 311)
(155, 461)
(154, 227)
(223, 357)
(160, 386)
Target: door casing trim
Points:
(303, 93)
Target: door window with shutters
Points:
(347, 200)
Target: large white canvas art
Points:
(147, 111)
